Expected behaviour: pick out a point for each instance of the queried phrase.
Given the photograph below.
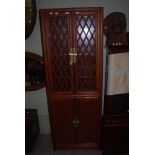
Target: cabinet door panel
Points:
(86, 50)
(57, 43)
(62, 112)
(88, 41)
(89, 116)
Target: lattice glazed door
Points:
(86, 41)
(58, 44)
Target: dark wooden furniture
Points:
(72, 46)
(34, 72)
(31, 129)
(116, 134)
(115, 126)
(115, 29)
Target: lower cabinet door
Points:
(89, 114)
(75, 122)
(61, 113)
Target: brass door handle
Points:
(75, 122)
(73, 56)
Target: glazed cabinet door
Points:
(88, 45)
(57, 41)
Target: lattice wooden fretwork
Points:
(59, 46)
(86, 49)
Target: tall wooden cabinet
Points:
(72, 46)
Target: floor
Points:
(43, 146)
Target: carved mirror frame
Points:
(34, 72)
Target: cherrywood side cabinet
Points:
(72, 47)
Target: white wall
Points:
(37, 99)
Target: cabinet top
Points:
(89, 9)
